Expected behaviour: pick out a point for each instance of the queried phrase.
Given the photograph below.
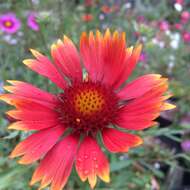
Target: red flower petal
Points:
(26, 104)
(26, 115)
(56, 167)
(67, 58)
(131, 61)
(37, 145)
(140, 112)
(43, 66)
(33, 125)
(117, 141)
(25, 91)
(91, 162)
(101, 55)
(92, 60)
(139, 86)
(27, 109)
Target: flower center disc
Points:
(89, 101)
(87, 106)
(8, 23)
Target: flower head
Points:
(186, 36)
(89, 3)
(141, 19)
(185, 17)
(164, 25)
(186, 145)
(178, 26)
(180, 2)
(87, 17)
(9, 23)
(32, 23)
(93, 101)
(106, 9)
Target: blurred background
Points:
(163, 27)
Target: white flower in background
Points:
(101, 16)
(10, 40)
(178, 7)
(159, 43)
(105, 25)
(20, 33)
(13, 41)
(44, 15)
(36, 2)
(174, 44)
(175, 40)
(124, 157)
(157, 165)
(144, 39)
(168, 32)
(171, 63)
(170, 67)
(127, 5)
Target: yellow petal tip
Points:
(28, 62)
(53, 47)
(8, 88)
(168, 106)
(35, 53)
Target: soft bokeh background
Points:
(163, 161)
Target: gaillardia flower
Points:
(94, 101)
(9, 23)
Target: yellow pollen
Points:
(8, 23)
(88, 102)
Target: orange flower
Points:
(91, 102)
(87, 17)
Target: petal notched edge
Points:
(91, 162)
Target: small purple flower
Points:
(143, 57)
(32, 23)
(9, 23)
(186, 145)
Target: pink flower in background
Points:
(9, 23)
(32, 23)
(178, 26)
(141, 19)
(180, 2)
(186, 145)
(163, 25)
(186, 36)
(185, 17)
